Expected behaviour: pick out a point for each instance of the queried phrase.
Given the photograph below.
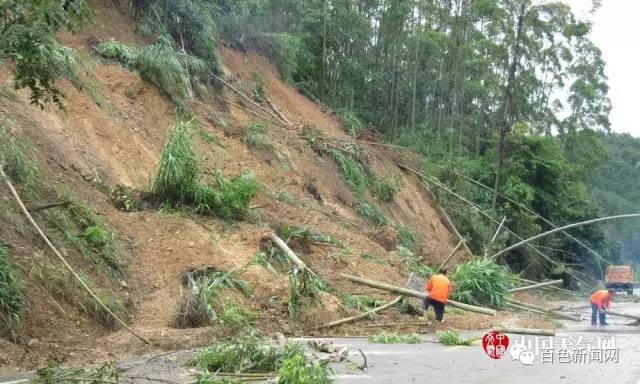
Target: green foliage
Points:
(172, 71)
(12, 301)
(19, 165)
(305, 236)
(255, 136)
(89, 233)
(235, 316)
(360, 302)
(297, 369)
(259, 93)
(394, 338)
(115, 304)
(285, 197)
(371, 212)
(482, 282)
(8, 93)
(189, 23)
(385, 188)
(28, 32)
(413, 264)
(303, 289)
(196, 304)
(452, 338)
(247, 353)
(351, 171)
(177, 180)
(407, 237)
(53, 374)
(351, 123)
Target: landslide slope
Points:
(111, 133)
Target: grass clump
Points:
(53, 373)
(372, 213)
(174, 72)
(18, 164)
(395, 338)
(483, 282)
(255, 135)
(303, 290)
(84, 229)
(285, 197)
(203, 287)
(385, 188)
(235, 316)
(12, 301)
(351, 171)
(178, 183)
(360, 302)
(306, 236)
(452, 338)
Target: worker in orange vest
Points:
(438, 288)
(600, 303)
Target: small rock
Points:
(32, 342)
(124, 284)
(191, 244)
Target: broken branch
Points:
(362, 315)
(300, 265)
(535, 286)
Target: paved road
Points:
(430, 362)
(434, 363)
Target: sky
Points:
(616, 30)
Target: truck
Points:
(619, 278)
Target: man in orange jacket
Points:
(439, 288)
(600, 302)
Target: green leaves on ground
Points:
(452, 338)
(12, 300)
(395, 338)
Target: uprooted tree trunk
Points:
(411, 293)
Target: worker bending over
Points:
(438, 288)
(600, 303)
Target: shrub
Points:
(452, 338)
(196, 305)
(12, 302)
(176, 177)
(351, 123)
(361, 303)
(385, 188)
(235, 316)
(394, 338)
(234, 195)
(483, 282)
(172, 71)
(351, 171)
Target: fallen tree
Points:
(621, 314)
(411, 293)
(362, 315)
(527, 331)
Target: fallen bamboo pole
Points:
(536, 286)
(541, 309)
(448, 259)
(412, 324)
(527, 331)
(255, 113)
(64, 261)
(621, 314)
(560, 229)
(553, 288)
(526, 309)
(48, 206)
(362, 315)
(409, 292)
(300, 265)
(281, 115)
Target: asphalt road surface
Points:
(580, 353)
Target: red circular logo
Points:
(495, 344)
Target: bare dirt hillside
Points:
(97, 143)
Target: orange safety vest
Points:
(439, 288)
(601, 298)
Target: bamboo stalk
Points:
(526, 309)
(300, 265)
(560, 229)
(82, 282)
(409, 292)
(362, 315)
(48, 206)
(527, 331)
(282, 117)
(536, 286)
(255, 113)
(541, 309)
(553, 288)
(410, 324)
(448, 258)
(621, 314)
